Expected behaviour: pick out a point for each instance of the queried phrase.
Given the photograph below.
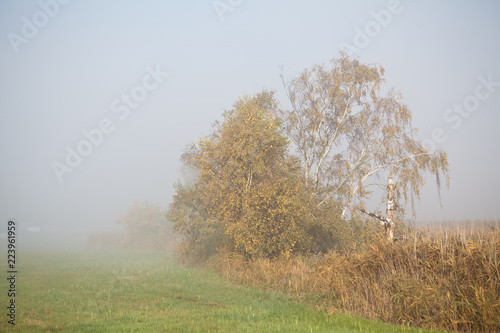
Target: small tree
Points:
(146, 227)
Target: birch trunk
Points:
(389, 224)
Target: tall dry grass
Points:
(443, 278)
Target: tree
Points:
(248, 189)
(146, 227)
(348, 133)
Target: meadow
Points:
(119, 291)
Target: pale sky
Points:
(152, 76)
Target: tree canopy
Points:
(347, 130)
(248, 187)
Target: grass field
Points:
(149, 292)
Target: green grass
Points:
(149, 292)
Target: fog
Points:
(99, 99)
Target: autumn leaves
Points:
(248, 184)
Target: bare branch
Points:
(382, 219)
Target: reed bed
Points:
(445, 277)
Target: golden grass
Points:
(443, 278)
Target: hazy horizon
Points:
(140, 81)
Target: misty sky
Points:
(143, 79)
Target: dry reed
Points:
(446, 278)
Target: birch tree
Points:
(348, 130)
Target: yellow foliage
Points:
(248, 184)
